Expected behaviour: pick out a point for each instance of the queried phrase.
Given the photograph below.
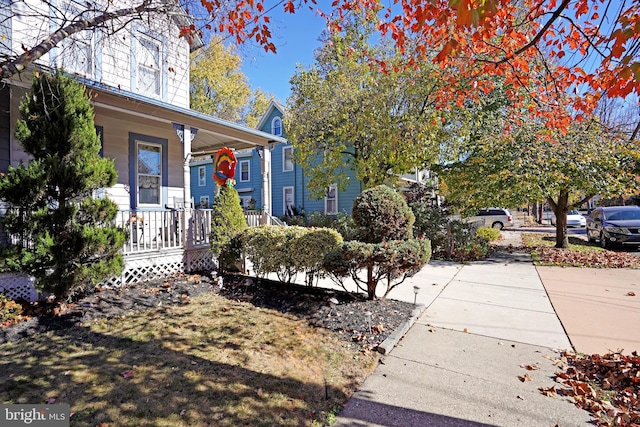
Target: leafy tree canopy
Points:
(469, 37)
(344, 114)
(219, 88)
(536, 163)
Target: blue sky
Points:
(296, 37)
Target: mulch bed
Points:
(340, 312)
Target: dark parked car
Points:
(614, 225)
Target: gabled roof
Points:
(273, 106)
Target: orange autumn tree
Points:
(589, 47)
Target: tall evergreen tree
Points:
(66, 237)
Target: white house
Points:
(139, 82)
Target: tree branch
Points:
(538, 36)
(21, 62)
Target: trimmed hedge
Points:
(287, 251)
(382, 214)
(488, 233)
(392, 262)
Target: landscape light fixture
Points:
(332, 303)
(416, 289)
(368, 315)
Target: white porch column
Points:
(265, 160)
(186, 155)
(186, 135)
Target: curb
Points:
(391, 341)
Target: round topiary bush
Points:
(382, 214)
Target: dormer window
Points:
(149, 64)
(78, 51)
(276, 126)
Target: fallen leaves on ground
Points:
(597, 259)
(605, 385)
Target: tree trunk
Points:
(371, 284)
(560, 210)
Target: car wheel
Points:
(603, 242)
(497, 225)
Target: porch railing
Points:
(152, 230)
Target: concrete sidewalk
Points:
(459, 364)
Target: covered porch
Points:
(169, 235)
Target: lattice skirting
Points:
(199, 260)
(138, 268)
(162, 264)
(18, 286)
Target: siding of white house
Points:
(115, 63)
(114, 57)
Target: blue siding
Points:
(208, 189)
(252, 188)
(266, 127)
(281, 179)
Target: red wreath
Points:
(224, 167)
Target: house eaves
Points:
(273, 106)
(212, 133)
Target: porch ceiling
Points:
(212, 135)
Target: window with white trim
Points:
(76, 53)
(276, 126)
(245, 202)
(204, 202)
(148, 66)
(244, 171)
(149, 173)
(287, 200)
(202, 176)
(331, 201)
(287, 159)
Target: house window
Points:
(276, 126)
(149, 174)
(204, 202)
(247, 202)
(148, 66)
(5, 28)
(331, 201)
(202, 176)
(244, 171)
(287, 193)
(77, 52)
(287, 159)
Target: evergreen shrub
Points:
(227, 223)
(287, 251)
(381, 214)
(63, 235)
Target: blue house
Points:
(285, 180)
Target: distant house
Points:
(285, 181)
(139, 81)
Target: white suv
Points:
(493, 217)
